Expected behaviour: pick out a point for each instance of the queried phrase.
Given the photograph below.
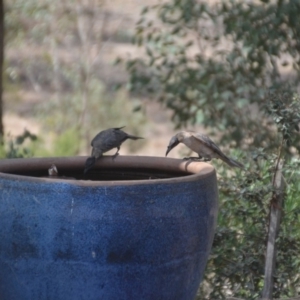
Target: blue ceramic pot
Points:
(137, 228)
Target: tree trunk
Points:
(275, 217)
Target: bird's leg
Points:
(116, 154)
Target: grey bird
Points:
(105, 141)
(203, 146)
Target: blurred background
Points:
(230, 69)
(61, 82)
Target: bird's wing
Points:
(206, 141)
(119, 136)
(98, 137)
(105, 134)
(109, 139)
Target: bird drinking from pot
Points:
(203, 146)
(105, 141)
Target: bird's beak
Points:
(90, 162)
(168, 150)
(174, 142)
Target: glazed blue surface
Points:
(63, 241)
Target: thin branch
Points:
(278, 161)
(274, 225)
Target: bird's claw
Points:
(197, 159)
(206, 159)
(192, 158)
(115, 156)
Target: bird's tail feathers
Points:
(118, 128)
(132, 137)
(233, 163)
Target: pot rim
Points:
(194, 170)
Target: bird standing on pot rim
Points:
(202, 145)
(105, 141)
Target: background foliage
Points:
(62, 69)
(208, 63)
(234, 68)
